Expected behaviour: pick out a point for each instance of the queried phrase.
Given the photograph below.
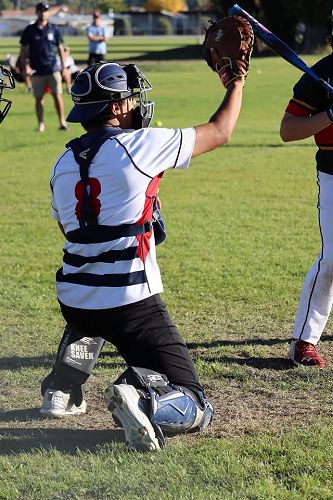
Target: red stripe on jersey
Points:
(298, 108)
(147, 214)
(325, 137)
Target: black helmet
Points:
(42, 7)
(6, 82)
(96, 86)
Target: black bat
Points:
(278, 46)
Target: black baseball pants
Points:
(144, 335)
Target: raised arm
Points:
(218, 130)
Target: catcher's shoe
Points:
(304, 353)
(57, 404)
(123, 402)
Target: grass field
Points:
(123, 48)
(242, 232)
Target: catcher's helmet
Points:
(96, 86)
(6, 82)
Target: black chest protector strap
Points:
(90, 231)
(84, 156)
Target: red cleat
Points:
(304, 353)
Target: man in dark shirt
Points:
(39, 43)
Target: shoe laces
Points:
(59, 402)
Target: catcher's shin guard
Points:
(77, 355)
(172, 409)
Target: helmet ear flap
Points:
(6, 79)
(6, 82)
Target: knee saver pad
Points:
(76, 358)
(78, 352)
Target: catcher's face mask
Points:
(102, 83)
(6, 82)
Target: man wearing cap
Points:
(39, 43)
(97, 37)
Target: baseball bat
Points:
(278, 46)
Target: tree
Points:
(221, 6)
(6, 4)
(284, 17)
(317, 17)
(169, 5)
(115, 5)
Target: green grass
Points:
(122, 47)
(242, 232)
(258, 469)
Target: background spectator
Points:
(39, 43)
(97, 37)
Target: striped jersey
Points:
(123, 179)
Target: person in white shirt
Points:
(104, 189)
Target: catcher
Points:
(104, 188)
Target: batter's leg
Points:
(316, 299)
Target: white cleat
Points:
(57, 404)
(123, 402)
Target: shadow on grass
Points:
(268, 363)
(19, 362)
(185, 53)
(247, 342)
(235, 343)
(70, 441)
(273, 363)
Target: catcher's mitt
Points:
(227, 48)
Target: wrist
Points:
(239, 81)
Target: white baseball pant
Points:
(316, 299)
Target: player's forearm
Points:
(218, 130)
(294, 128)
(226, 116)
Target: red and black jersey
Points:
(310, 98)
